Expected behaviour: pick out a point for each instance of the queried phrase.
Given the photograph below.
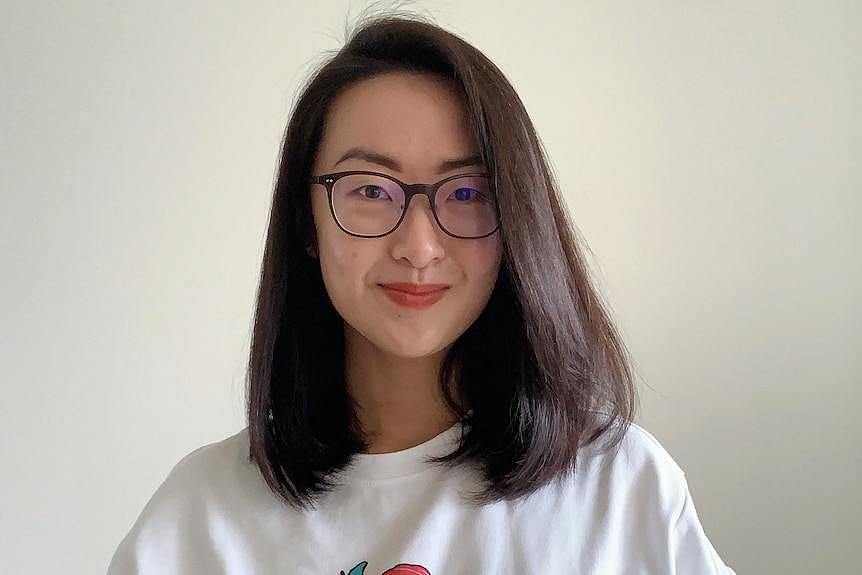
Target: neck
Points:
(399, 401)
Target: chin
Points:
(410, 347)
(415, 351)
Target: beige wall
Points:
(709, 152)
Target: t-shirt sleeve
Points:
(168, 537)
(691, 550)
(149, 537)
(151, 545)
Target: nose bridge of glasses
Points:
(412, 191)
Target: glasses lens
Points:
(467, 206)
(366, 204)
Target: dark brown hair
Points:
(542, 368)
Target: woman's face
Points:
(419, 122)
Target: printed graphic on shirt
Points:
(400, 569)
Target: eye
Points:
(463, 194)
(373, 192)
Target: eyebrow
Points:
(393, 164)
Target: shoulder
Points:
(196, 486)
(638, 448)
(635, 497)
(201, 472)
(211, 460)
(641, 450)
(637, 472)
(650, 492)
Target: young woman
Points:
(434, 384)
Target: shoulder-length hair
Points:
(542, 369)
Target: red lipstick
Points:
(415, 296)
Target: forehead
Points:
(418, 119)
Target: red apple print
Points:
(400, 569)
(407, 569)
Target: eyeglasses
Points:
(372, 205)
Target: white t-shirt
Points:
(624, 512)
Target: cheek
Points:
(335, 249)
(344, 265)
(480, 263)
(339, 261)
(486, 257)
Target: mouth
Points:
(415, 296)
(415, 289)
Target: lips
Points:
(415, 289)
(416, 296)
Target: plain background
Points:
(709, 153)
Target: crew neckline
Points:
(410, 461)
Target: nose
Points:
(418, 239)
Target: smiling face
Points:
(418, 122)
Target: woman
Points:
(434, 385)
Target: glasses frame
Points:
(410, 190)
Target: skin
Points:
(393, 354)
